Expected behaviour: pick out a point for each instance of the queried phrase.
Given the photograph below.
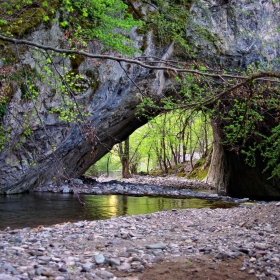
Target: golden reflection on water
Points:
(35, 209)
(113, 205)
(106, 206)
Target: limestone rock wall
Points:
(56, 149)
(239, 33)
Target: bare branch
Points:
(115, 58)
(247, 80)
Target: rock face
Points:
(243, 35)
(56, 149)
(238, 33)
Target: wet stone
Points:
(87, 267)
(103, 274)
(156, 246)
(222, 255)
(99, 259)
(7, 277)
(124, 267)
(114, 261)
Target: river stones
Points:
(156, 246)
(97, 250)
(99, 259)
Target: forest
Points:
(167, 142)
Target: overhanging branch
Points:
(119, 59)
(160, 66)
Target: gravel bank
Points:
(136, 186)
(168, 182)
(130, 246)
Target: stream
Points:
(34, 209)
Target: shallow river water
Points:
(34, 209)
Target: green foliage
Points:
(194, 89)
(2, 138)
(199, 173)
(241, 120)
(168, 21)
(22, 16)
(110, 160)
(2, 106)
(160, 136)
(71, 113)
(250, 126)
(98, 20)
(271, 151)
(107, 23)
(83, 21)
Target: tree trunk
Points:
(218, 175)
(229, 173)
(174, 154)
(107, 167)
(133, 169)
(164, 160)
(124, 156)
(148, 160)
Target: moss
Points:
(156, 173)
(92, 74)
(8, 52)
(135, 12)
(76, 61)
(31, 17)
(144, 45)
(27, 22)
(53, 5)
(198, 172)
(94, 81)
(94, 85)
(181, 174)
(2, 110)
(156, 22)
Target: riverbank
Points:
(138, 186)
(237, 243)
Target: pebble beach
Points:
(127, 247)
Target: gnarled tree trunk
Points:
(219, 172)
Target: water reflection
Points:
(31, 210)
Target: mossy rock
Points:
(135, 12)
(27, 22)
(76, 61)
(31, 16)
(182, 174)
(198, 173)
(93, 75)
(156, 173)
